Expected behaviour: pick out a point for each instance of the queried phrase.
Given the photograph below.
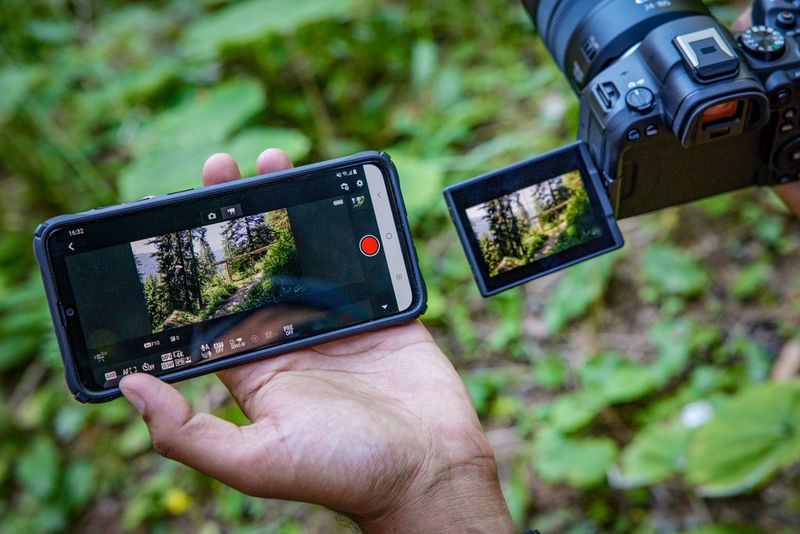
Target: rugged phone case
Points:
(42, 233)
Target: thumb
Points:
(182, 435)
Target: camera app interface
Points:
(534, 223)
(164, 290)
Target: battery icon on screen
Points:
(339, 202)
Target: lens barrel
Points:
(584, 36)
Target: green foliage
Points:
(247, 23)
(723, 529)
(216, 293)
(109, 101)
(550, 372)
(672, 272)
(170, 150)
(752, 435)
(657, 453)
(580, 462)
(751, 281)
(582, 286)
(614, 379)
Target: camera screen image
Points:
(533, 218)
(213, 271)
(534, 223)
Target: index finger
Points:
(220, 168)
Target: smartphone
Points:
(201, 280)
(533, 218)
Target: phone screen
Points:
(175, 286)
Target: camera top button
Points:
(640, 100)
(786, 20)
(781, 97)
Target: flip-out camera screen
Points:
(533, 218)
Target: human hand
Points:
(789, 193)
(379, 426)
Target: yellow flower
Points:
(177, 501)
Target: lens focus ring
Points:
(564, 21)
(584, 36)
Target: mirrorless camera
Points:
(674, 108)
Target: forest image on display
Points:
(536, 222)
(213, 271)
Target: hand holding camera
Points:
(674, 108)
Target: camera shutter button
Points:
(640, 100)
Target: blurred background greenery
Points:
(648, 391)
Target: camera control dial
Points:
(640, 100)
(763, 42)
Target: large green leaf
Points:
(580, 462)
(574, 411)
(751, 280)
(677, 341)
(170, 151)
(656, 453)
(580, 288)
(753, 435)
(615, 379)
(37, 469)
(671, 271)
(210, 115)
(246, 23)
(15, 84)
(246, 146)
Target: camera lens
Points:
(584, 36)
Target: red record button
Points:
(369, 245)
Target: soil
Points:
(239, 296)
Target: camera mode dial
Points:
(763, 42)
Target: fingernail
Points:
(133, 397)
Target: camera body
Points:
(673, 107)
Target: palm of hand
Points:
(356, 419)
(378, 426)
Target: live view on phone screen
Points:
(169, 289)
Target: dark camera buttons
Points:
(786, 127)
(608, 94)
(651, 131)
(790, 114)
(788, 156)
(640, 100)
(65, 312)
(781, 97)
(634, 135)
(786, 20)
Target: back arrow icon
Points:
(385, 306)
(71, 247)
